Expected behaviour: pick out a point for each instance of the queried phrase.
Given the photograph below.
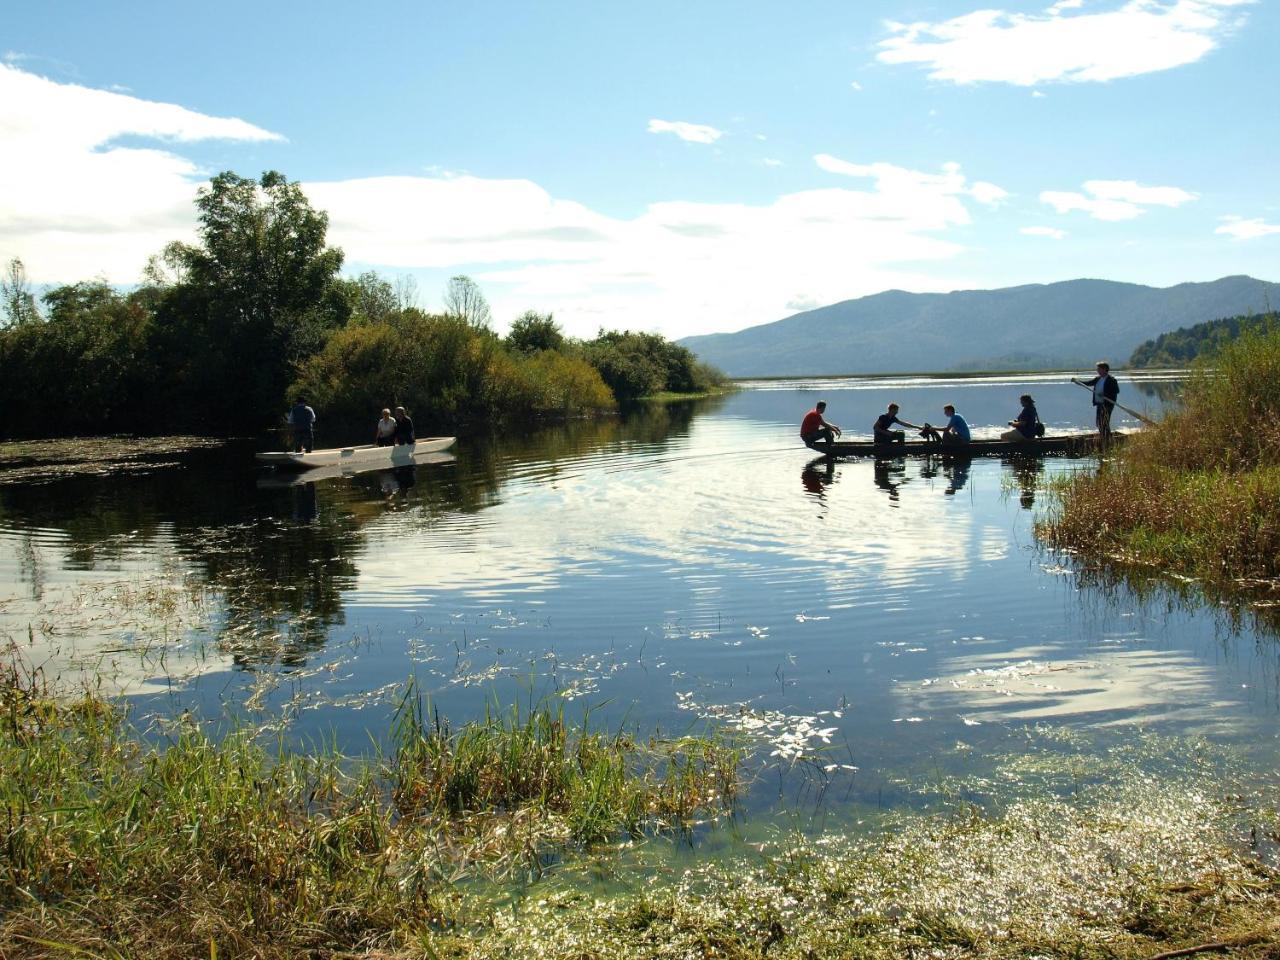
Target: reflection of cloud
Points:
(1116, 688)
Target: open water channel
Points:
(686, 565)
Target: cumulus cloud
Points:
(1061, 45)
(1053, 233)
(1115, 199)
(1241, 229)
(690, 132)
(74, 202)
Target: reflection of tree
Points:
(1168, 392)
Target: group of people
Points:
(815, 428)
(390, 430)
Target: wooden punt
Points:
(367, 455)
(1071, 445)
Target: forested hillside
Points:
(1183, 346)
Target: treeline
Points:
(1185, 345)
(223, 334)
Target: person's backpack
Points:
(1039, 428)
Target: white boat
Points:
(401, 455)
(280, 479)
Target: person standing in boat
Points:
(303, 420)
(1105, 392)
(1026, 425)
(954, 434)
(882, 430)
(404, 428)
(814, 426)
(385, 433)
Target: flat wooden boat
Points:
(367, 455)
(278, 479)
(1080, 444)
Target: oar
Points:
(1133, 413)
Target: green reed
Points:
(1199, 494)
(158, 842)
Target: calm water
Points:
(689, 563)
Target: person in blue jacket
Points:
(303, 420)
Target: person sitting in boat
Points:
(384, 434)
(404, 427)
(1026, 426)
(881, 430)
(954, 434)
(814, 426)
(303, 420)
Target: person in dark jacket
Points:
(404, 427)
(1105, 392)
(1024, 424)
(303, 420)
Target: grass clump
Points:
(1199, 494)
(125, 842)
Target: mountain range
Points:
(1034, 327)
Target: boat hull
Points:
(369, 455)
(1072, 445)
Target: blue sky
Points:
(685, 168)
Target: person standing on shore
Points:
(385, 434)
(1105, 392)
(303, 420)
(814, 426)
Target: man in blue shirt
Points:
(303, 420)
(954, 434)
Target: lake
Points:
(869, 624)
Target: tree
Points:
(258, 296)
(462, 298)
(533, 331)
(15, 290)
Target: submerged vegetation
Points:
(222, 333)
(1198, 495)
(165, 842)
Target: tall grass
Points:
(119, 841)
(1200, 493)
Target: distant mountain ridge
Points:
(1037, 326)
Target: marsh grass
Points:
(1198, 495)
(120, 841)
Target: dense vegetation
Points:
(163, 842)
(1185, 345)
(1199, 494)
(222, 334)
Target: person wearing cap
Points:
(814, 426)
(1025, 423)
(1105, 392)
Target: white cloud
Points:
(690, 132)
(1241, 229)
(1037, 95)
(1115, 199)
(1052, 233)
(74, 203)
(1140, 36)
(771, 162)
(855, 85)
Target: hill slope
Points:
(1072, 323)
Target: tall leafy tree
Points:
(15, 291)
(532, 332)
(257, 295)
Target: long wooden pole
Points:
(1133, 413)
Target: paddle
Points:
(1133, 413)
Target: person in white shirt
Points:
(385, 434)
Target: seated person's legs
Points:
(822, 433)
(1014, 436)
(890, 436)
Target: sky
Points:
(676, 167)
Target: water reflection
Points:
(658, 561)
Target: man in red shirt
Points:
(814, 426)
